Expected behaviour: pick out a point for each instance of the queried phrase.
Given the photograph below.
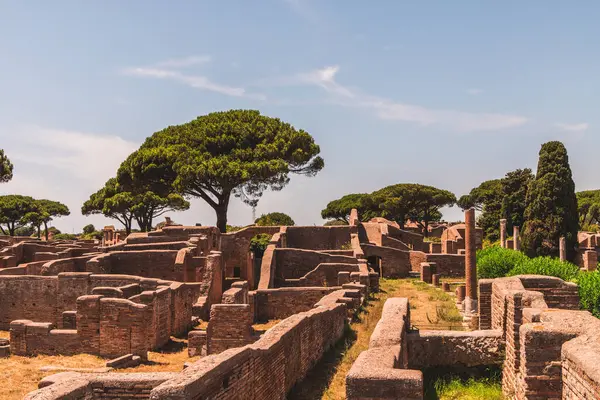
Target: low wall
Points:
(447, 265)
(318, 237)
(296, 263)
(450, 348)
(78, 386)
(158, 264)
(394, 263)
(325, 274)
(271, 304)
(380, 373)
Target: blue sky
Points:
(434, 92)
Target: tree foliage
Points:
(6, 168)
(237, 152)
(13, 208)
(404, 201)
(514, 194)
(551, 210)
(43, 212)
(588, 207)
(275, 219)
(88, 229)
(497, 199)
(114, 201)
(340, 209)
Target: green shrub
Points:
(64, 236)
(496, 262)
(547, 266)
(259, 243)
(589, 291)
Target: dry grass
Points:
(4, 335)
(327, 380)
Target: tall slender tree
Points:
(6, 168)
(551, 211)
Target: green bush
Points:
(589, 291)
(547, 266)
(496, 262)
(64, 236)
(259, 243)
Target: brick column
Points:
(516, 239)
(470, 262)
(502, 233)
(562, 248)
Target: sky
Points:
(441, 93)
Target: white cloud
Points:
(474, 91)
(169, 70)
(63, 165)
(583, 126)
(391, 110)
(184, 62)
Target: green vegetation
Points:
(588, 207)
(499, 198)
(43, 212)
(339, 210)
(589, 291)
(18, 211)
(335, 222)
(89, 229)
(496, 262)
(259, 243)
(469, 389)
(547, 266)
(237, 153)
(133, 201)
(486, 198)
(6, 168)
(551, 211)
(275, 219)
(65, 236)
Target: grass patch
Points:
(465, 384)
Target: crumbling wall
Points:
(296, 263)
(159, 264)
(28, 297)
(447, 265)
(282, 303)
(319, 237)
(267, 369)
(380, 373)
(394, 263)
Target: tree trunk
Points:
(221, 219)
(11, 229)
(46, 231)
(425, 231)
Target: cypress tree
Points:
(551, 210)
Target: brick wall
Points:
(28, 297)
(325, 274)
(394, 263)
(159, 264)
(295, 263)
(318, 237)
(267, 369)
(281, 303)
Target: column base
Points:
(470, 306)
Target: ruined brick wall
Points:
(236, 245)
(557, 293)
(72, 264)
(454, 349)
(380, 373)
(295, 263)
(230, 326)
(485, 303)
(447, 265)
(394, 263)
(580, 377)
(281, 303)
(267, 369)
(318, 237)
(414, 240)
(389, 241)
(325, 274)
(28, 297)
(159, 264)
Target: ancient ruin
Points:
(120, 299)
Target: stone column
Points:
(470, 262)
(562, 249)
(516, 239)
(502, 233)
